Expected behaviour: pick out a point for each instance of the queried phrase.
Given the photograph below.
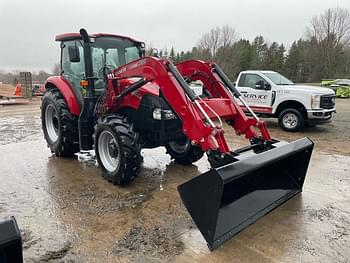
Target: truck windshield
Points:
(112, 52)
(278, 79)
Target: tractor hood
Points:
(308, 89)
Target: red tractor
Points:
(111, 98)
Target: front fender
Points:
(67, 92)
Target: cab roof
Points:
(74, 36)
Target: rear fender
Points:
(67, 92)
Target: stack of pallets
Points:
(7, 90)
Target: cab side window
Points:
(72, 69)
(250, 80)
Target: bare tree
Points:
(217, 38)
(330, 32)
(228, 35)
(333, 25)
(210, 41)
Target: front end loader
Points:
(120, 101)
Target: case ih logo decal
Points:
(131, 66)
(120, 71)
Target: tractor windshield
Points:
(112, 52)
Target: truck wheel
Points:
(291, 120)
(117, 149)
(58, 124)
(184, 152)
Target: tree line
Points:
(14, 77)
(323, 53)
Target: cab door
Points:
(256, 92)
(73, 71)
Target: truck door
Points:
(256, 92)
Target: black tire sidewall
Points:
(300, 124)
(118, 173)
(177, 155)
(192, 154)
(129, 145)
(49, 99)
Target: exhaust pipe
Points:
(86, 117)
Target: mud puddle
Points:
(19, 129)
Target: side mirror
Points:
(259, 84)
(74, 55)
(142, 49)
(154, 53)
(262, 85)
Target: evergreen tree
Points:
(259, 51)
(172, 53)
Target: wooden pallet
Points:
(7, 90)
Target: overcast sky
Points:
(28, 27)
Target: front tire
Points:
(58, 124)
(291, 120)
(117, 149)
(183, 152)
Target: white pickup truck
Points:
(270, 94)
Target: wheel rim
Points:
(51, 122)
(290, 120)
(109, 151)
(180, 147)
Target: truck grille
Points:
(327, 101)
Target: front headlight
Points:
(168, 114)
(315, 101)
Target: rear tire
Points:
(58, 124)
(117, 149)
(184, 152)
(291, 120)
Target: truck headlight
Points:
(168, 114)
(315, 101)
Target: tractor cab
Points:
(108, 52)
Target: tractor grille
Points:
(327, 101)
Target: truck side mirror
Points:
(259, 84)
(73, 52)
(262, 85)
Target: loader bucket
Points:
(225, 200)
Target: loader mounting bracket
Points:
(218, 159)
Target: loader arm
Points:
(197, 124)
(195, 113)
(215, 84)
